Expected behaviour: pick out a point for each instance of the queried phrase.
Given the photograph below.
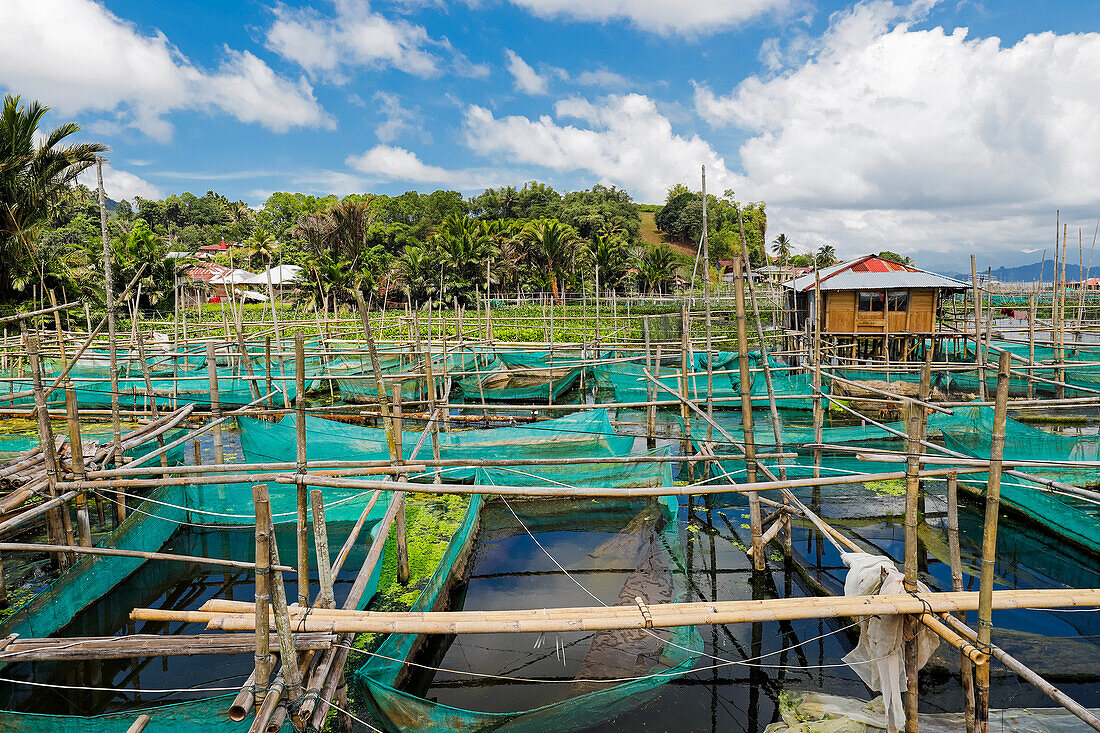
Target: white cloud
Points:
(120, 184)
(527, 80)
(665, 17)
(921, 135)
(602, 78)
(627, 142)
(78, 56)
(389, 163)
(398, 119)
(356, 36)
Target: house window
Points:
(898, 300)
(871, 300)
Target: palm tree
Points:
(826, 255)
(657, 267)
(34, 178)
(782, 248)
(261, 245)
(554, 246)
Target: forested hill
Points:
(1030, 273)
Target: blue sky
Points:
(931, 128)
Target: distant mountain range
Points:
(1031, 273)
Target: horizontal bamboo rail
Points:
(146, 645)
(138, 554)
(597, 618)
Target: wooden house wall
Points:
(842, 315)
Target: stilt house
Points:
(870, 305)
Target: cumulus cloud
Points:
(623, 140)
(389, 163)
(665, 17)
(355, 36)
(527, 80)
(120, 184)
(602, 78)
(81, 57)
(921, 133)
(397, 119)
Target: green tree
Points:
(895, 257)
(142, 246)
(35, 178)
(781, 245)
(826, 255)
(657, 268)
(554, 246)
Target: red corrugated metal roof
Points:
(877, 264)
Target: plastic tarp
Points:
(879, 658)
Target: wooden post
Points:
(263, 593)
(651, 408)
(326, 598)
(989, 540)
(979, 359)
(215, 402)
(706, 299)
(966, 670)
(433, 415)
(686, 368)
(292, 676)
(57, 520)
(915, 431)
(755, 521)
(819, 413)
(400, 532)
(76, 455)
(109, 290)
(303, 491)
(1031, 347)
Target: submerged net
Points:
(676, 651)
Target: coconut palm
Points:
(657, 268)
(35, 178)
(554, 246)
(826, 255)
(261, 246)
(782, 248)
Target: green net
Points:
(629, 384)
(514, 376)
(583, 434)
(377, 681)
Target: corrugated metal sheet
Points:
(874, 273)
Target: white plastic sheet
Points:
(879, 658)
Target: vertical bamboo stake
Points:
(755, 520)
(1031, 347)
(1059, 389)
(433, 415)
(915, 432)
(278, 337)
(267, 370)
(706, 299)
(651, 407)
(979, 361)
(292, 676)
(955, 559)
(303, 495)
(685, 371)
(989, 540)
(215, 402)
(262, 674)
(57, 330)
(76, 455)
(57, 519)
(819, 413)
(326, 598)
(109, 290)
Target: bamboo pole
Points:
(664, 615)
(60, 532)
(755, 524)
(215, 402)
(912, 497)
(261, 675)
(989, 542)
(325, 598)
(108, 284)
(302, 503)
(978, 356)
(966, 670)
(291, 676)
(76, 456)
